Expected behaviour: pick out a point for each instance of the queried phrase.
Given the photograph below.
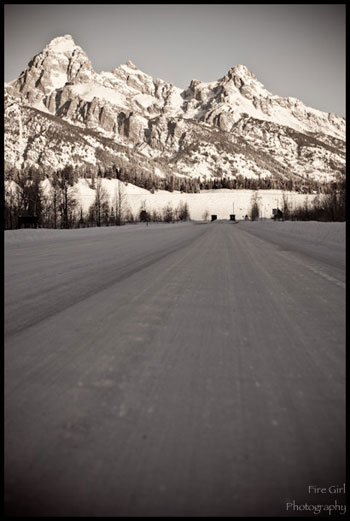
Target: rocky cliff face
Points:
(60, 62)
(230, 126)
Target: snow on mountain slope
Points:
(230, 126)
(89, 91)
(240, 92)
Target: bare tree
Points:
(183, 212)
(55, 196)
(205, 215)
(12, 198)
(67, 196)
(168, 213)
(112, 217)
(47, 210)
(285, 206)
(156, 216)
(100, 207)
(121, 204)
(254, 209)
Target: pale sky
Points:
(295, 50)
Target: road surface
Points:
(176, 370)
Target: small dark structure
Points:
(27, 221)
(277, 214)
(144, 216)
(232, 217)
(214, 217)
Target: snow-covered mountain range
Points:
(60, 111)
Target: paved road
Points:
(190, 370)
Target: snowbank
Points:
(330, 232)
(17, 238)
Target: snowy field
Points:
(221, 202)
(191, 369)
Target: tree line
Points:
(327, 207)
(129, 171)
(59, 206)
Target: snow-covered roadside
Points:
(329, 232)
(15, 238)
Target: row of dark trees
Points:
(130, 172)
(26, 197)
(171, 183)
(327, 207)
(324, 207)
(59, 207)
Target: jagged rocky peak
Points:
(128, 68)
(62, 44)
(131, 71)
(240, 75)
(61, 80)
(194, 83)
(62, 49)
(135, 78)
(60, 61)
(130, 65)
(241, 70)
